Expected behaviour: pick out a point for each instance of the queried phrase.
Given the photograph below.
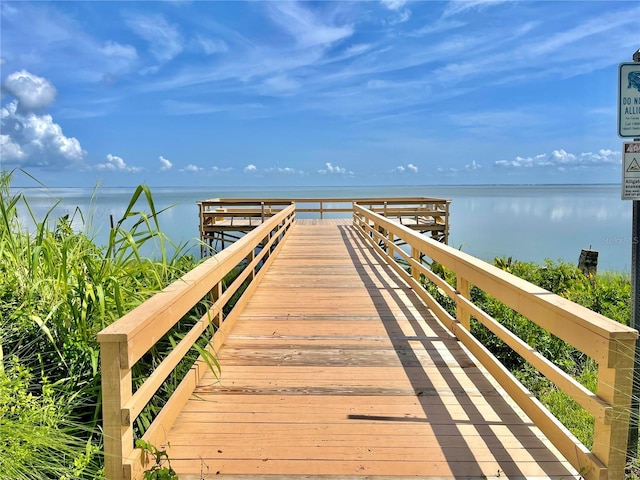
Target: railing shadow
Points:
(377, 275)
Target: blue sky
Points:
(389, 92)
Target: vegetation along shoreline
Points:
(58, 288)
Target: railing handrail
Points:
(326, 205)
(608, 342)
(124, 342)
(359, 200)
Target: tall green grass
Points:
(57, 290)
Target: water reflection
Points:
(527, 222)
(544, 222)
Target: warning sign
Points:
(633, 167)
(631, 171)
(629, 100)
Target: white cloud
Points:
(473, 166)
(114, 49)
(460, 6)
(117, 164)
(32, 92)
(394, 4)
(192, 168)
(251, 168)
(410, 168)
(35, 140)
(165, 41)
(437, 27)
(221, 169)
(210, 46)
(285, 170)
(357, 49)
(166, 164)
(562, 159)
(402, 17)
(10, 151)
(307, 28)
(334, 169)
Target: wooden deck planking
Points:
(337, 368)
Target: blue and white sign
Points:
(629, 100)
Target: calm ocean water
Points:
(527, 222)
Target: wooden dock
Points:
(337, 368)
(225, 220)
(336, 362)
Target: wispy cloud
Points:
(307, 28)
(558, 42)
(164, 39)
(210, 46)
(456, 7)
(394, 4)
(45, 37)
(285, 171)
(562, 159)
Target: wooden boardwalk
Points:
(337, 368)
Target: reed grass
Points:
(58, 288)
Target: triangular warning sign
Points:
(633, 166)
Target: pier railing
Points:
(124, 342)
(609, 343)
(224, 219)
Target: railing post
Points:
(201, 214)
(216, 293)
(446, 224)
(614, 387)
(415, 273)
(249, 259)
(116, 391)
(462, 314)
(321, 206)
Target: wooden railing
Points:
(124, 342)
(243, 214)
(609, 343)
(322, 206)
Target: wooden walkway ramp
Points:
(336, 368)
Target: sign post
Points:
(629, 127)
